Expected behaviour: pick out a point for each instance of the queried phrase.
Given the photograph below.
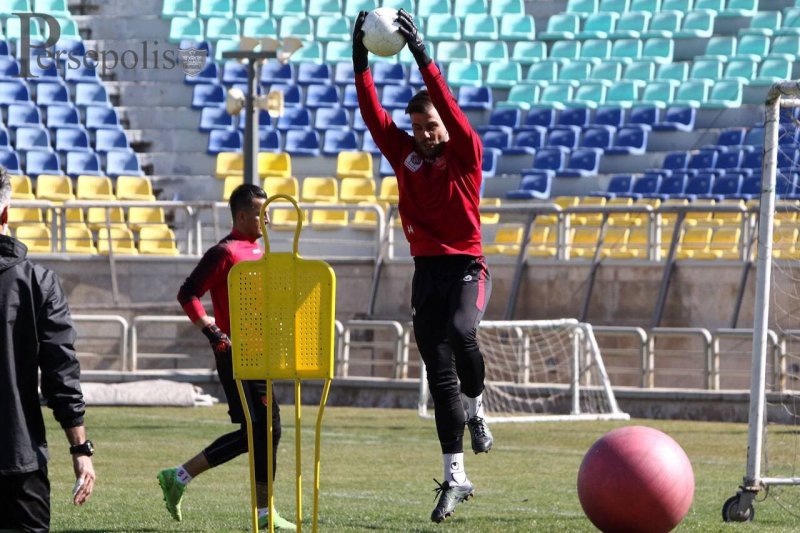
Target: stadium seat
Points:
(338, 140)
(619, 185)
(94, 188)
(597, 137)
(354, 164)
(528, 52)
(107, 140)
(214, 118)
(10, 161)
(384, 73)
(294, 118)
(681, 118)
(13, 92)
(396, 96)
(224, 141)
(507, 240)
(302, 143)
(58, 116)
(32, 138)
(763, 23)
(82, 163)
(51, 94)
(461, 73)
(503, 74)
(565, 51)
(598, 25)
(277, 72)
(589, 95)
(90, 94)
(205, 95)
(157, 239)
(57, 188)
(134, 188)
(629, 140)
(532, 187)
(319, 189)
(357, 190)
(78, 240)
(118, 240)
(521, 96)
(475, 98)
(771, 71)
(36, 237)
(486, 52)
(272, 164)
(313, 73)
(330, 118)
(582, 162)
(42, 162)
(101, 118)
(22, 188)
(170, 8)
(566, 137)
(519, 27)
(120, 163)
(632, 24)
(547, 161)
(725, 94)
(103, 217)
(319, 96)
(140, 217)
(561, 26)
(644, 115)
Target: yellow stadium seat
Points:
(135, 188)
(367, 219)
(584, 241)
(21, 187)
(507, 240)
(121, 241)
(157, 239)
(668, 219)
(563, 202)
(229, 164)
(784, 239)
(488, 217)
(71, 215)
(389, 191)
(282, 185)
(727, 219)
(615, 241)
(78, 240)
(667, 233)
(228, 186)
(36, 237)
(53, 187)
(357, 190)
(641, 219)
(94, 188)
(354, 165)
(274, 164)
(24, 215)
(701, 217)
(621, 219)
(725, 244)
(328, 218)
(695, 239)
(636, 246)
(319, 189)
(544, 240)
(139, 217)
(96, 217)
(589, 219)
(283, 219)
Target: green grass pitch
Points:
(376, 474)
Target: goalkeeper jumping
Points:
(211, 275)
(439, 176)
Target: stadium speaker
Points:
(234, 101)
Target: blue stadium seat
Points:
(270, 140)
(539, 117)
(32, 138)
(264, 120)
(51, 94)
(350, 98)
(475, 98)
(506, 118)
(233, 72)
(302, 143)
(672, 186)
(224, 141)
(358, 122)
(609, 116)
(83, 163)
(340, 140)
(754, 136)
(786, 185)
(727, 186)
(119, 163)
(46, 74)
(208, 74)
(547, 161)
(13, 92)
(385, 73)
(101, 118)
(497, 139)
(208, 94)
(72, 139)
(368, 144)
(110, 139)
(20, 115)
(618, 185)
(82, 74)
(575, 116)
(89, 94)
(730, 160)
(277, 72)
(292, 94)
(42, 162)
(396, 96)
(629, 140)
(10, 161)
(535, 186)
(60, 116)
(9, 68)
(5, 143)
(294, 118)
(308, 73)
(566, 137)
(385, 169)
(644, 115)
(215, 118)
(489, 163)
(677, 119)
(645, 186)
(732, 137)
(401, 120)
(343, 72)
(698, 186)
(319, 95)
(527, 141)
(582, 162)
(331, 118)
(702, 159)
(597, 137)
(752, 161)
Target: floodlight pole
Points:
(254, 60)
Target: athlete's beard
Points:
(432, 151)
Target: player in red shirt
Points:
(439, 176)
(211, 275)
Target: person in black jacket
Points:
(36, 334)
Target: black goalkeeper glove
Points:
(360, 61)
(415, 45)
(220, 343)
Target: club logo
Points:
(413, 162)
(467, 278)
(192, 60)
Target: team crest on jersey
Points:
(413, 162)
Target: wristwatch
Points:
(87, 448)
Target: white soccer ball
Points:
(381, 34)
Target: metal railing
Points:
(123, 335)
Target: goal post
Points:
(540, 370)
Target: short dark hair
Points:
(242, 197)
(420, 103)
(5, 188)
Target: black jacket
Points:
(36, 333)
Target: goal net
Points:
(541, 371)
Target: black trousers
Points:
(449, 295)
(25, 501)
(234, 443)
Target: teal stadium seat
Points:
(170, 9)
(407, 5)
(503, 74)
(527, 52)
(772, 70)
(753, 47)
(598, 25)
(222, 46)
(521, 96)
(301, 27)
(640, 70)
(311, 52)
(185, 28)
(740, 8)
(353, 7)
(56, 8)
(623, 93)
(741, 70)
(480, 27)
(764, 23)
(561, 26)
(720, 48)
(215, 8)
(222, 28)
(575, 72)
(448, 51)
(589, 95)
(785, 46)
(713, 5)
(542, 73)
(596, 50)
(706, 69)
(565, 51)
(697, 24)
(607, 72)
(461, 73)
(627, 50)
(517, 27)
(260, 27)
(614, 6)
(692, 93)
(324, 8)
(659, 50)
(664, 24)
(646, 6)
(658, 94)
(443, 27)
(434, 7)
(631, 25)
(684, 6)
(462, 8)
(69, 29)
(251, 8)
(13, 29)
(725, 94)
(338, 52)
(333, 28)
(791, 22)
(555, 96)
(499, 8)
(282, 8)
(582, 8)
(489, 51)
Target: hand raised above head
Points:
(409, 30)
(360, 61)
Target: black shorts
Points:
(25, 501)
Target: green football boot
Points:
(280, 523)
(173, 491)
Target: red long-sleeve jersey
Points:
(439, 198)
(211, 274)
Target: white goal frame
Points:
(584, 349)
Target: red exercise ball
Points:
(636, 479)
